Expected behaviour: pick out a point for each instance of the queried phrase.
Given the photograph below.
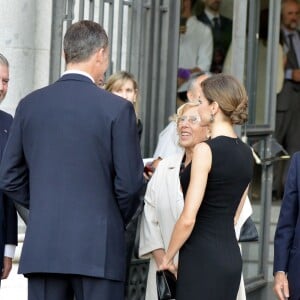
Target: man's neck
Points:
(81, 67)
(211, 13)
(78, 71)
(288, 30)
(186, 14)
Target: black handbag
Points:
(166, 285)
(249, 232)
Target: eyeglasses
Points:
(191, 119)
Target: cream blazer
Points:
(163, 206)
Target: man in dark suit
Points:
(73, 158)
(221, 27)
(287, 129)
(287, 237)
(8, 215)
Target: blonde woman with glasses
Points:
(163, 198)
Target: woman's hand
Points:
(158, 255)
(168, 264)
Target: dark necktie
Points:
(292, 51)
(216, 29)
(218, 54)
(216, 23)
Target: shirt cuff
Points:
(280, 272)
(9, 250)
(288, 74)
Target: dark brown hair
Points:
(83, 39)
(230, 95)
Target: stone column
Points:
(25, 41)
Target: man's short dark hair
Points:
(83, 39)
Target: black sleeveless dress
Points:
(210, 263)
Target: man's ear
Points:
(189, 95)
(99, 55)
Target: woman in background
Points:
(123, 84)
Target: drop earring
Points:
(212, 118)
(208, 134)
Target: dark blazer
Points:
(73, 157)
(8, 215)
(221, 39)
(287, 235)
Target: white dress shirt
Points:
(211, 16)
(9, 250)
(80, 73)
(195, 46)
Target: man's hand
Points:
(7, 266)
(150, 168)
(281, 286)
(296, 75)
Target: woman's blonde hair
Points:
(116, 81)
(181, 109)
(230, 95)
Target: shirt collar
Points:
(210, 15)
(80, 73)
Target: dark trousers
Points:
(73, 287)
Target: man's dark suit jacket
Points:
(73, 157)
(221, 40)
(287, 235)
(8, 215)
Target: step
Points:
(250, 251)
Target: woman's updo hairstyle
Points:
(230, 95)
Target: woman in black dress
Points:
(215, 188)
